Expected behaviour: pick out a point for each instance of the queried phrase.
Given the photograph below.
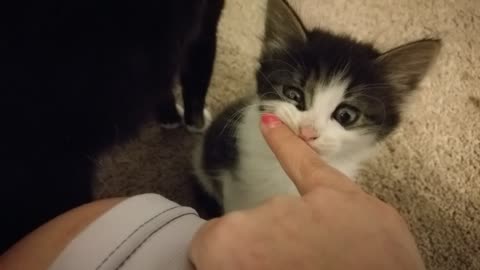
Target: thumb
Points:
(301, 163)
(199, 244)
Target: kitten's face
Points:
(326, 117)
(330, 105)
(339, 95)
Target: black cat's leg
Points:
(197, 69)
(167, 114)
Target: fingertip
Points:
(298, 159)
(269, 121)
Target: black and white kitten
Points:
(339, 95)
(79, 76)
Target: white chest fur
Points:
(258, 175)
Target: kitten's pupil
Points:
(346, 115)
(293, 94)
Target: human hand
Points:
(333, 225)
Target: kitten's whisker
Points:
(267, 78)
(376, 86)
(279, 70)
(286, 63)
(379, 101)
(266, 93)
(342, 70)
(280, 95)
(373, 84)
(363, 87)
(234, 118)
(289, 54)
(273, 87)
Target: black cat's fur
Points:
(77, 77)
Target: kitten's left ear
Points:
(408, 64)
(282, 25)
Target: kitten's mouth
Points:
(310, 143)
(322, 150)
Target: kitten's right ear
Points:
(282, 25)
(405, 66)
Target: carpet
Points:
(429, 168)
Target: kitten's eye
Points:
(293, 94)
(346, 115)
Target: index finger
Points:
(301, 163)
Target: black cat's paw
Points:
(170, 125)
(170, 119)
(198, 123)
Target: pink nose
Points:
(308, 133)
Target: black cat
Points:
(79, 76)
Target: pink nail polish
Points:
(270, 120)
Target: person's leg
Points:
(146, 232)
(35, 189)
(40, 248)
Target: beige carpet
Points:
(429, 169)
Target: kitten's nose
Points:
(308, 133)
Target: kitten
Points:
(79, 76)
(339, 95)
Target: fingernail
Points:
(270, 120)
